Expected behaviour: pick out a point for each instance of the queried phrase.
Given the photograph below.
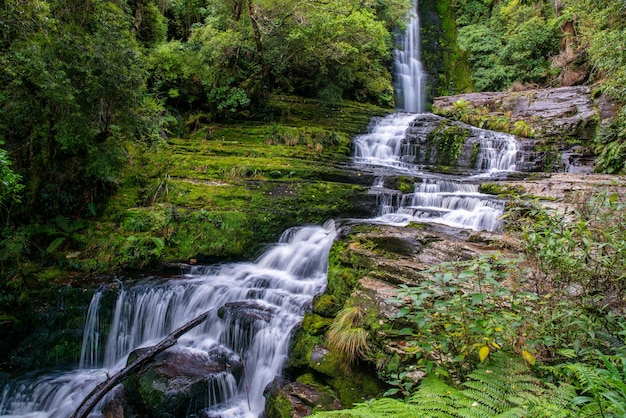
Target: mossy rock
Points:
(176, 382)
(326, 305)
(278, 405)
(325, 362)
(50, 335)
(446, 143)
(315, 324)
(301, 347)
(358, 387)
(301, 398)
(405, 184)
(392, 244)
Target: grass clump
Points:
(346, 337)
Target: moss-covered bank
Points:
(448, 67)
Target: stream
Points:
(244, 344)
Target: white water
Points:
(383, 144)
(452, 202)
(281, 284)
(498, 152)
(409, 75)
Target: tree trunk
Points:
(103, 388)
(138, 17)
(259, 44)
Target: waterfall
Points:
(497, 151)
(455, 202)
(447, 202)
(383, 144)
(260, 304)
(409, 75)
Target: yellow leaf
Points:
(528, 358)
(495, 345)
(483, 353)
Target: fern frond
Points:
(477, 411)
(434, 398)
(587, 377)
(590, 410)
(518, 412)
(562, 395)
(63, 223)
(553, 402)
(484, 400)
(381, 408)
(486, 378)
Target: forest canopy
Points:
(79, 78)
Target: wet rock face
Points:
(177, 382)
(554, 113)
(246, 311)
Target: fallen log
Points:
(103, 388)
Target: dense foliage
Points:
(80, 78)
(508, 41)
(542, 335)
(516, 44)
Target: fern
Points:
(501, 387)
(385, 407)
(603, 390)
(434, 398)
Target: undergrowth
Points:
(541, 336)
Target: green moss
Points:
(417, 225)
(500, 189)
(303, 344)
(330, 364)
(475, 152)
(392, 245)
(55, 330)
(328, 400)
(326, 305)
(315, 324)
(448, 140)
(341, 278)
(278, 406)
(444, 62)
(406, 184)
(359, 387)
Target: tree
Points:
(74, 83)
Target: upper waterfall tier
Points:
(402, 140)
(409, 75)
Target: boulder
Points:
(177, 382)
(295, 399)
(246, 311)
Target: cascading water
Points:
(453, 202)
(409, 75)
(260, 304)
(383, 145)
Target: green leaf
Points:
(55, 244)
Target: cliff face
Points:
(556, 114)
